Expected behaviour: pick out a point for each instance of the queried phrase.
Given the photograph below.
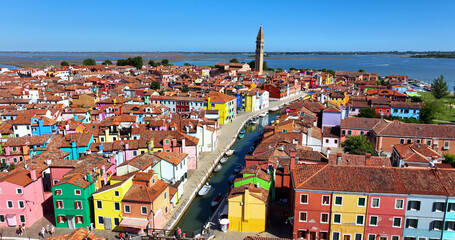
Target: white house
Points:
(173, 166)
(207, 135)
(263, 99)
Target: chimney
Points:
(183, 144)
(328, 153)
(308, 136)
(368, 159)
(150, 146)
(127, 146)
(339, 158)
(292, 155)
(33, 174)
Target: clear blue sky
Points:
(200, 25)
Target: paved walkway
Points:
(207, 160)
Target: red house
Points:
(385, 216)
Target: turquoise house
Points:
(77, 144)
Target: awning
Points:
(134, 223)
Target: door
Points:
(71, 222)
(312, 235)
(107, 223)
(11, 219)
(347, 237)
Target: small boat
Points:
(242, 134)
(217, 200)
(232, 177)
(230, 152)
(238, 168)
(224, 159)
(264, 114)
(274, 109)
(218, 168)
(204, 190)
(255, 121)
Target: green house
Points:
(73, 206)
(254, 174)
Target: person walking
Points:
(52, 231)
(43, 232)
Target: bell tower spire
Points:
(259, 60)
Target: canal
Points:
(200, 209)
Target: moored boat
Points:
(218, 168)
(230, 152)
(224, 159)
(238, 168)
(232, 177)
(205, 189)
(216, 200)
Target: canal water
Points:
(200, 209)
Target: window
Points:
(127, 209)
(335, 236)
(327, 141)
(304, 198)
(336, 218)
(59, 204)
(58, 191)
(446, 145)
(116, 206)
(451, 207)
(429, 142)
(373, 220)
(395, 238)
(22, 218)
(326, 200)
(371, 237)
(343, 132)
(402, 141)
(116, 221)
(19, 190)
(60, 218)
(375, 203)
(79, 219)
(399, 203)
(349, 132)
(100, 220)
(411, 223)
(335, 141)
(359, 220)
(414, 205)
(361, 202)
(116, 193)
(338, 201)
(55, 182)
(166, 141)
(78, 204)
(358, 236)
(99, 204)
(21, 204)
(438, 206)
(165, 210)
(450, 226)
(409, 141)
(437, 225)
(9, 204)
(144, 210)
(324, 218)
(323, 235)
(165, 195)
(134, 153)
(302, 216)
(77, 192)
(2, 218)
(396, 222)
(102, 139)
(361, 133)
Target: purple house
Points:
(331, 117)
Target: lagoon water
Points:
(424, 69)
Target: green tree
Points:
(107, 62)
(361, 70)
(135, 62)
(89, 62)
(234, 60)
(367, 112)
(12, 167)
(64, 64)
(165, 62)
(292, 69)
(252, 64)
(152, 63)
(416, 99)
(185, 89)
(439, 87)
(449, 158)
(155, 85)
(357, 145)
(188, 64)
(278, 70)
(429, 111)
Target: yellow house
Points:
(247, 208)
(107, 202)
(348, 216)
(225, 105)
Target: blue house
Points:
(449, 221)
(76, 144)
(406, 109)
(400, 88)
(424, 217)
(239, 99)
(43, 125)
(38, 144)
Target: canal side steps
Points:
(177, 212)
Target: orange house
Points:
(146, 202)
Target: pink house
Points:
(22, 198)
(386, 216)
(354, 126)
